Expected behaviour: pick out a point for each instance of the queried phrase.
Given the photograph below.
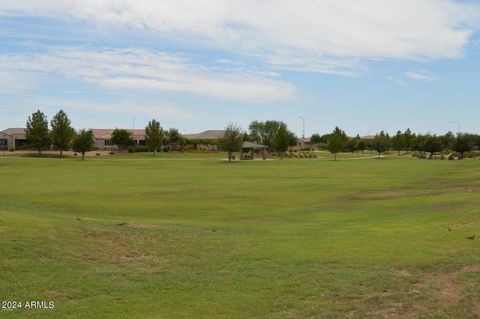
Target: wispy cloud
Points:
(397, 81)
(324, 35)
(135, 69)
(421, 76)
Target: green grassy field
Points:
(138, 237)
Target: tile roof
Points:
(14, 131)
(101, 133)
(206, 135)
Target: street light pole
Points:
(458, 126)
(303, 131)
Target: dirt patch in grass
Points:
(142, 225)
(132, 258)
(430, 295)
(404, 193)
(471, 268)
(448, 290)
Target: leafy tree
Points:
(381, 143)
(409, 139)
(232, 140)
(173, 136)
(447, 141)
(122, 138)
(351, 145)
(62, 132)
(154, 136)
(36, 131)
(83, 142)
(462, 144)
(399, 142)
(265, 132)
(418, 143)
(292, 138)
(257, 131)
(282, 140)
(431, 144)
(361, 145)
(316, 139)
(336, 141)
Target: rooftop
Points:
(206, 135)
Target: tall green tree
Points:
(173, 136)
(316, 139)
(398, 142)
(409, 139)
(336, 141)
(381, 143)
(62, 132)
(282, 140)
(36, 131)
(265, 132)
(462, 144)
(257, 131)
(154, 136)
(361, 145)
(350, 145)
(122, 138)
(447, 140)
(232, 139)
(432, 145)
(83, 142)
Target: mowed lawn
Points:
(144, 237)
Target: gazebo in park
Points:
(247, 151)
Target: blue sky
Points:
(362, 65)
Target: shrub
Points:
(111, 153)
(470, 154)
(131, 149)
(141, 149)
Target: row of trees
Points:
(62, 136)
(273, 134)
(406, 141)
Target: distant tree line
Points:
(275, 135)
(427, 145)
(62, 136)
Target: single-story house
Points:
(103, 136)
(206, 140)
(13, 138)
(304, 142)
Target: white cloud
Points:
(397, 81)
(155, 110)
(315, 31)
(421, 76)
(134, 69)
